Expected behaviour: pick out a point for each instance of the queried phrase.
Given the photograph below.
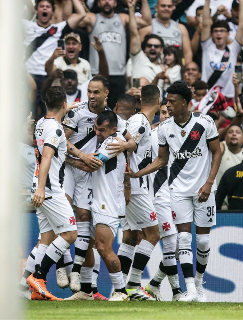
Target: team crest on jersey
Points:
(195, 135)
(54, 141)
(183, 133)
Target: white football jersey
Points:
(40, 43)
(48, 132)
(139, 127)
(81, 120)
(190, 158)
(158, 182)
(107, 181)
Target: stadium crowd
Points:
(136, 113)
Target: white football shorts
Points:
(56, 214)
(140, 212)
(77, 184)
(164, 216)
(188, 209)
(111, 222)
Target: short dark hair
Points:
(163, 102)
(127, 98)
(199, 8)
(54, 97)
(101, 79)
(149, 94)
(181, 89)
(233, 125)
(200, 85)
(151, 36)
(50, 1)
(109, 116)
(176, 52)
(220, 24)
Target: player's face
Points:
(176, 105)
(163, 114)
(153, 49)
(72, 48)
(164, 9)
(44, 12)
(103, 131)
(97, 94)
(199, 94)
(220, 37)
(234, 137)
(107, 6)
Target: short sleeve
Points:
(161, 137)
(53, 137)
(136, 129)
(71, 120)
(104, 154)
(211, 131)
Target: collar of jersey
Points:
(144, 115)
(69, 63)
(183, 126)
(42, 26)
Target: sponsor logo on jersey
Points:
(153, 216)
(171, 135)
(89, 120)
(166, 226)
(195, 135)
(220, 66)
(110, 36)
(187, 154)
(38, 132)
(58, 253)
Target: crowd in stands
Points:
(198, 42)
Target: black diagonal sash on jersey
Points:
(159, 179)
(82, 142)
(110, 165)
(189, 145)
(37, 42)
(146, 161)
(217, 73)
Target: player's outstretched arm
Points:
(205, 190)
(160, 161)
(39, 195)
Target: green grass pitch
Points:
(99, 310)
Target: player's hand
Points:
(91, 161)
(97, 44)
(72, 106)
(134, 91)
(130, 173)
(58, 52)
(38, 197)
(116, 148)
(204, 192)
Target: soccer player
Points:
(189, 141)
(54, 213)
(140, 212)
(108, 199)
(79, 129)
(160, 194)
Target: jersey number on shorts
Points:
(210, 211)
